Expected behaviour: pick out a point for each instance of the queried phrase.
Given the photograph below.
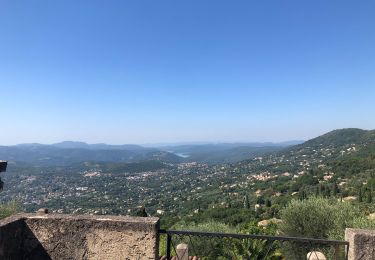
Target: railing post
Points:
(3, 167)
(169, 242)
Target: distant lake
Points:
(183, 155)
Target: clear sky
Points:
(179, 71)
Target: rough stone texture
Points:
(35, 236)
(361, 244)
(11, 233)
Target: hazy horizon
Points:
(161, 144)
(150, 72)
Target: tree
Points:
(360, 198)
(142, 212)
(317, 191)
(318, 218)
(369, 196)
(328, 191)
(246, 203)
(9, 209)
(260, 201)
(334, 189)
(321, 189)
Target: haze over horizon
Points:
(167, 72)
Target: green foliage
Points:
(229, 216)
(369, 196)
(318, 217)
(246, 203)
(150, 165)
(142, 212)
(334, 189)
(211, 248)
(360, 197)
(256, 248)
(9, 209)
(225, 248)
(309, 218)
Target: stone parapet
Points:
(361, 244)
(59, 236)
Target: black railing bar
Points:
(192, 245)
(269, 249)
(244, 236)
(347, 252)
(313, 251)
(169, 241)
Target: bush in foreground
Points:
(9, 209)
(319, 217)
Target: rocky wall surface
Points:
(11, 237)
(58, 236)
(361, 244)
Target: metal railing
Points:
(210, 245)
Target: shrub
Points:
(308, 218)
(9, 209)
(319, 218)
(210, 248)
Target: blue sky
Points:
(180, 71)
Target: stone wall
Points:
(11, 235)
(78, 237)
(361, 244)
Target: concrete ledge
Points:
(361, 244)
(58, 236)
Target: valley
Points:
(340, 164)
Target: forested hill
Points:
(66, 155)
(336, 144)
(339, 144)
(339, 162)
(338, 147)
(340, 138)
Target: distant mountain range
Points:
(331, 145)
(64, 155)
(83, 145)
(70, 152)
(227, 152)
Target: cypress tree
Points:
(360, 199)
(321, 189)
(334, 190)
(246, 203)
(369, 196)
(317, 191)
(142, 212)
(328, 192)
